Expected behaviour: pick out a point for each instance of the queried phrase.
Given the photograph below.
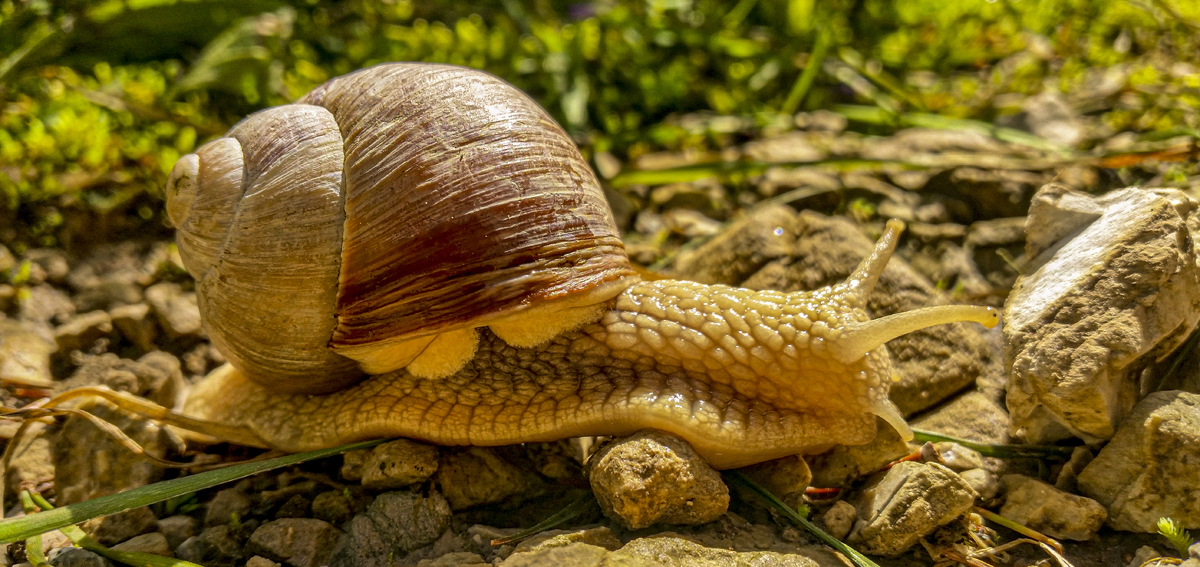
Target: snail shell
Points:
(389, 208)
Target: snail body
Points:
(419, 250)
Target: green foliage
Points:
(99, 98)
(1179, 537)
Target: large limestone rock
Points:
(1113, 284)
(1149, 469)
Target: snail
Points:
(419, 250)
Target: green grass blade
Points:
(20, 528)
(33, 544)
(859, 559)
(134, 558)
(999, 451)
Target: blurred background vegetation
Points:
(99, 98)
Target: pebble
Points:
(599, 536)
(135, 324)
(399, 463)
(177, 310)
(81, 331)
(907, 502)
(260, 561)
(396, 522)
(1038, 505)
(985, 483)
(480, 475)
(178, 529)
(299, 542)
(214, 547)
(226, 504)
(652, 477)
(75, 557)
(839, 518)
(25, 353)
(333, 507)
(958, 458)
(119, 527)
(352, 464)
(154, 543)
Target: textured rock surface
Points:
(398, 464)
(299, 542)
(1033, 503)
(664, 552)
(1112, 285)
(25, 351)
(906, 503)
(396, 522)
(1149, 469)
(480, 475)
(652, 477)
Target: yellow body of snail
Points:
(419, 250)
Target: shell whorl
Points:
(400, 201)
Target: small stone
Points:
(121, 526)
(135, 324)
(839, 518)
(52, 261)
(958, 458)
(352, 464)
(909, 501)
(164, 386)
(177, 310)
(842, 465)
(45, 305)
(784, 477)
(983, 482)
(25, 354)
(479, 475)
(178, 529)
(75, 557)
(154, 543)
(691, 224)
(1148, 470)
(395, 522)
(333, 507)
(600, 537)
(652, 477)
(1142, 555)
(1194, 551)
(214, 547)
(1033, 503)
(455, 559)
(80, 331)
(765, 234)
(297, 506)
(260, 561)
(972, 416)
(106, 294)
(300, 542)
(225, 505)
(399, 463)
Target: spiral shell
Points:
(386, 208)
